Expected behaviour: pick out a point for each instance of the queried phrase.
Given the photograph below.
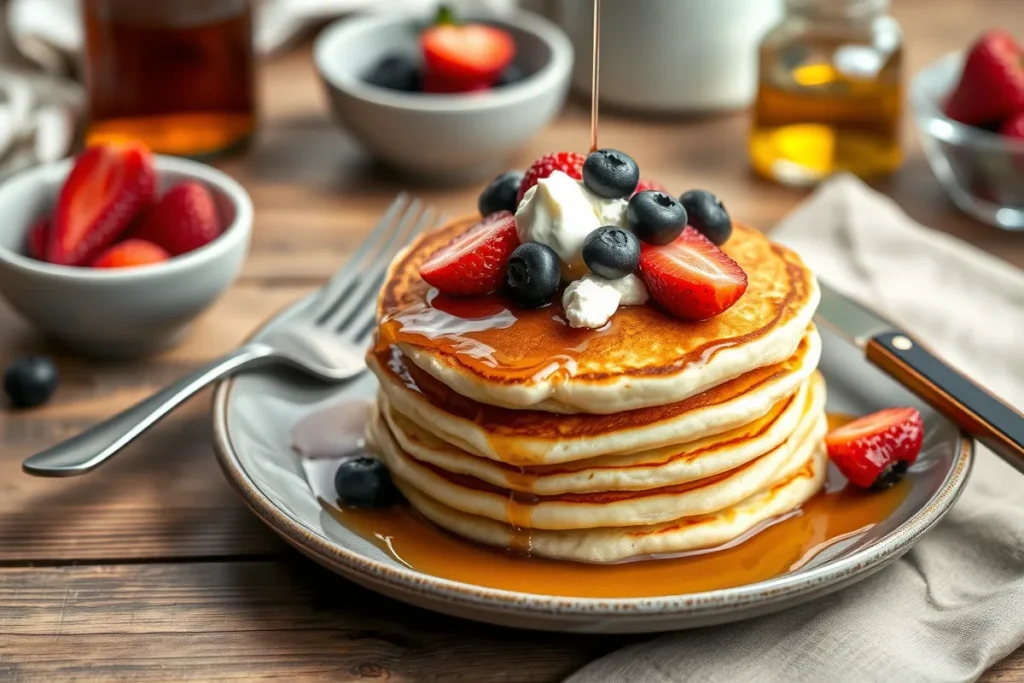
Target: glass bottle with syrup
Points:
(830, 93)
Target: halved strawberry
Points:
(691, 277)
(107, 187)
(38, 236)
(875, 451)
(473, 264)
(183, 220)
(465, 56)
(645, 185)
(130, 253)
(991, 85)
(569, 163)
(1013, 127)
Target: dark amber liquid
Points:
(176, 75)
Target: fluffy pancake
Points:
(665, 466)
(529, 438)
(616, 544)
(495, 352)
(608, 508)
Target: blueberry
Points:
(511, 75)
(396, 72)
(533, 274)
(501, 194)
(707, 215)
(890, 476)
(30, 382)
(611, 252)
(362, 481)
(611, 174)
(655, 217)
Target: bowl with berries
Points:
(969, 110)
(114, 252)
(445, 98)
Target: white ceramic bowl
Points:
(442, 137)
(125, 311)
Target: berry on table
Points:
(501, 194)
(706, 213)
(875, 451)
(655, 217)
(363, 481)
(611, 252)
(30, 381)
(569, 163)
(473, 264)
(533, 274)
(610, 173)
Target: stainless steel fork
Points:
(326, 340)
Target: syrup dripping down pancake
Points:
(490, 350)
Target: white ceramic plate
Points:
(253, 420)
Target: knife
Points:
(990, 421)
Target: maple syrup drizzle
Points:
(595, 75)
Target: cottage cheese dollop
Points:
(591, 301)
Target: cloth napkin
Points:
(954, 605)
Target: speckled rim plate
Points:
(253, 416)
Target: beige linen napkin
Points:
(954, 605)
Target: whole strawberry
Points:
(184, 219)
(991, 85)
(569, 163)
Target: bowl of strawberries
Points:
(445, 98)
(969, 109)
(116, 251)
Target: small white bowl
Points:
(120, 312)
(444, 138)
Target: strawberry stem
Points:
(445, 16)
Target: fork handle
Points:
(88, 450)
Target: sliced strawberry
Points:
(991, 85)
(473, 264)
(107, 187)
(130, 253)
(1013, 127)
(691, 277)
(644, 185)
(569, 163)
(38, 237)
(875, 451)
(465, 56)
(183, 220)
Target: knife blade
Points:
(989, 420)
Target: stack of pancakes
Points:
(650, 436)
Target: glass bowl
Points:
(982, 171)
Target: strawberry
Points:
(991, 85)
(1013, 127)
(570, 163)
(875, 451)
(464, 56)
(183, 220)
(473, 264)
(38, 236)
(645, 185)
(108, 185)
(130, 253)
(691, 277)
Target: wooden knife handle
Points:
(979, 413)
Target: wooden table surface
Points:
(152, 568)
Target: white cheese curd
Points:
(591, 301)
(630, 288)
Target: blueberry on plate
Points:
(30, 382)
(511, 75)
(707, 215)
(501, 194)
(362, 481)
(533, 274)
(610, 173)
(396, 72)
(655, 217)
(611, 252)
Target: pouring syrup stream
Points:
(595, 75)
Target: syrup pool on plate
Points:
(838, 514)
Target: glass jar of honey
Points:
(829, 96)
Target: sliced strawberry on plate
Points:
(38, 236)
(645, 185)
(1013, 127)
(183, 220)
(875, 451)
(465, 56)
(107, 187)
(690, 277)
(130, 253)
(569, 163)
(991, 85)
(473, 264)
